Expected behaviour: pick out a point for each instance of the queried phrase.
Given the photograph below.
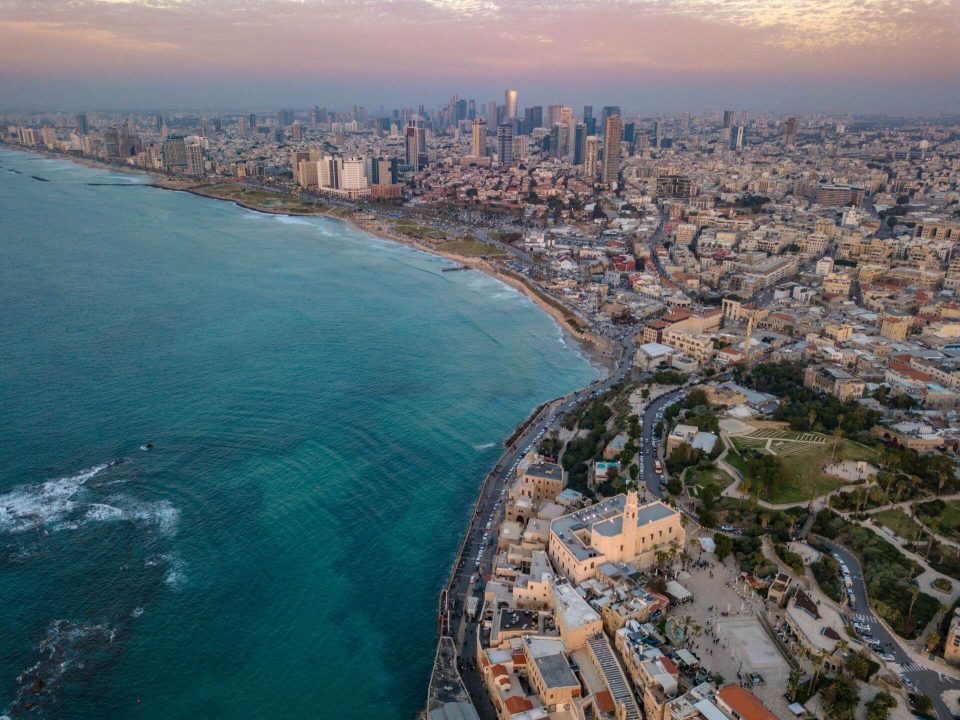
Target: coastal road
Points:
(476, 563)
(928, 682)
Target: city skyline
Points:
(873, 56)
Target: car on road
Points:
(887, 657)
(907, 682)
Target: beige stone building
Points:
(617, 529)
(834, 380)
(951, 648)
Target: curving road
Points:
(929, 682)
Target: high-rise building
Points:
(284, 117)
(472, 110)
(252, 119)
(685, 122)
(460, 111)
(589, 120)
(195, 163)
(559, 140)
(579, 143)
(296, 131)
(242, 126)
(175, 154)
(510, 100)
(83, 125)
(314, 117)
(416, 145)
(736, 137)
(159, 122)
(657, 133)
(590, 154)
(478, 146)
(553, 115)
(790, 132)
(727, 118)
(353, 177)
(492, 112)
(607, 111)
(611, 148)
(532, 119)
(505, 144)
(629, 133)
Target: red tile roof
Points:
(744, 703)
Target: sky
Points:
(648, 56)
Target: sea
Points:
(238, 451)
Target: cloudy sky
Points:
(645, 55)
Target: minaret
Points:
(630, 510)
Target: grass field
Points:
(423, 232)
(470, 249)
(899, 522)
(946, 522)
(699, 478)
(262, 199)
(804, 454)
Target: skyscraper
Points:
(579, 143)
(590, 153)
(252, 119)
(532, 119)
(83, 125)
(314, 117)
(416, 145)
(478, 146)
(736, 137)
(685, 122)
(790, 132)
(492, 112)
(611, 148)
(510, 97)
(472, 110)
(505, 144)
(296, 131)
(589, 120)
(607, 111)
(553, 115)
(727, 118)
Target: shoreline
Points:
(598, 350)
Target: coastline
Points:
(600, 350)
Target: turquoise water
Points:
(323, 405)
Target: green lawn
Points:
(804, 461)
(899, 522)
(701, 478)
(945, 520)
(420, 231)
(470, 249)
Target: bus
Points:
(657, 467)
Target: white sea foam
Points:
(162, 514)
(136, 612)
(176, 576)
(30, 506)
(484, 446)
(291, 220)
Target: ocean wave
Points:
(291, 220)
(53, 505)
(30, 506)
(176, 576)
(484, 446)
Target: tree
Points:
(922, 704)
(879, 707)
(724, 545)
(793, 684)
(932, 641)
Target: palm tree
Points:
(914, 594)
(837, 434)
(793, 684)
(821, 659)
(811, 418)
(744, 488)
